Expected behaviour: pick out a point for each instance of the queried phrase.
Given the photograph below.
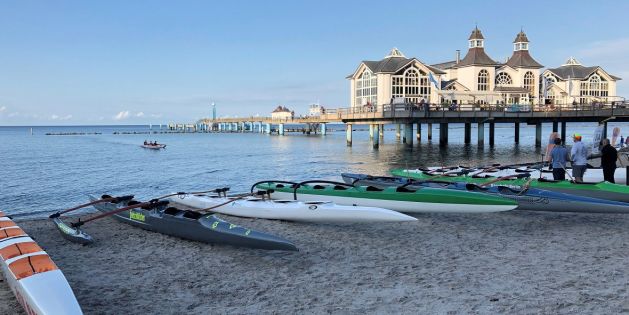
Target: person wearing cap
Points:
(559, 158)
(609, 155)
(579, 157)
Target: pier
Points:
(410, 120)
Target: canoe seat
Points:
(404, 190)
(6, 224)
(192, 215)
(28, 266)
(339, 187)
(279, 185)
(11, 232)
(318, 187)
(172, 211)
(19, 249)
(371, 188)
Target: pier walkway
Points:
(408, 116)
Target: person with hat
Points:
(579, 157)
(559, 158)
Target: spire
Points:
(476, 34)
(395, 53)
(572, 62)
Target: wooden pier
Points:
(409, 119)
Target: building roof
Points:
(476, 34)
(393, 62)
(522, 59)
(575, 70)
(521, 38)
(281, 109)
(447, 83)
(476, 57)
(444, 65)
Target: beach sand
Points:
(512, 262)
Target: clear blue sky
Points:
(105, 62)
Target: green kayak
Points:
(395, 198)
(602, 190)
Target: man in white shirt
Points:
(579, 158)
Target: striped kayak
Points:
(291, 210)
(601, 190)
(532, 199)
(34, 278)
(195, 226)
(398, 199)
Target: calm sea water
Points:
(40, 173)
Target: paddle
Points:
(258, 193)
(110, 199)
(503, 178)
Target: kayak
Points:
(601, 190)
(398, 199)
(38, 284)
(532, 199)
(291, 210)
(193, 225)
(154, 147)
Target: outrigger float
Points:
(156, 215)
(39, 285)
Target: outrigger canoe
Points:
(398, 199)
(38, 284)
(291, 210)
(601, 190)
(193, 225)
(154, 146)
(532, 199)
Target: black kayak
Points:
(193, 225)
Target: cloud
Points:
(14, 114)
(2, 108)
(122, 115)
(156, 115)
(57, 117)
(140, 114)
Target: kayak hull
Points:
(289, 210)
(154, 147)
(194, 226)
(39, 286)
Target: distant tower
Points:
(213, 111)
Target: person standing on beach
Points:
(579, 158)
(609, 155)
(558, 158)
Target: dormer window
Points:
(479, 43)
(524, 46)
(476, 43)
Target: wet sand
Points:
(514, 262)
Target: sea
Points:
(41, 173)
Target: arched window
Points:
(413, 85)
(411, 82)
(503, 78)
(483, 80)
(529, 81)
(595, 87)
(366, 89)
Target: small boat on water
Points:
(154, 146)
(291, 210)
(38, 284)
(192, 225)
(424, 199)
(532, 199)
(601, 190)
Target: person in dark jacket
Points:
(609, 155)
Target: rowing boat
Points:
(38, 284)
(532, 199)
(291, 210)
(601, 190)
(193, 225)
(398, 199)
(154, 146)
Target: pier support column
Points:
(563, 132)
(555, 126)
(429, 131)
(381, 133)
(604, 130)
(376, 138)
(348, 134)
(492, 133)
(538, 134)
(443, 134)
(323, 129)
(468, 133)
(370, 131)
(281, 129)
(516, 132)
(268, 129)
(408, 134)
(418, 132)
(397, 131)
(481, 133)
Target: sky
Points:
(140, 62)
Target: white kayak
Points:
(154, 146)
(290, 210)
(34, 278)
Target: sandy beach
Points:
(514, 262)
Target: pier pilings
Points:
(481, 133)
(376, 138)
(408, 134)
(538, 134)
(348, 134)
(429, 127)
(516, 132)
(418, 132)
(443, 134)
(468, 133)
(492, 133)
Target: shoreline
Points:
(512, 262)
